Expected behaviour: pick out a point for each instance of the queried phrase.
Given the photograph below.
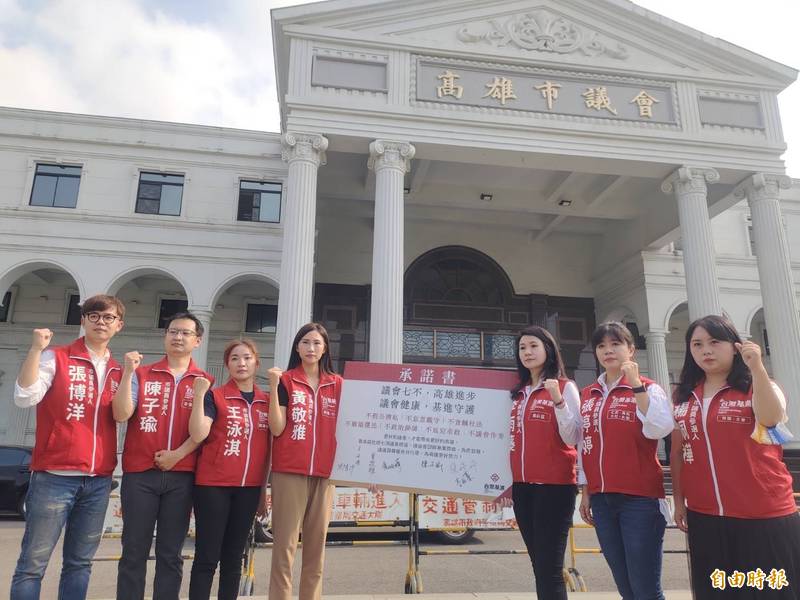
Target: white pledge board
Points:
(425, 428)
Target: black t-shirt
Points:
(283, 395)
(211, 408)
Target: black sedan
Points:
(14, 477)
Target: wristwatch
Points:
(640, 389)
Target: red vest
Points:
(308, 444)
(617, 457)
(538, 454)
(724, 471)
(75, 427)
(236, 451)
(161, 418)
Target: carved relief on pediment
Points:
(541, 31)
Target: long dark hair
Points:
(553, 367)
(719, 328)
(325, 365)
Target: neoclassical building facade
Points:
(447, 172)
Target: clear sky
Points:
(210, 61)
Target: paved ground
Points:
(379, 571)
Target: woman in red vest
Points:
(303, 423)
(232, 422)
(623, 415)
(742, 521)
(544, 431)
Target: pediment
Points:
(590, 34)
(543, 34)
(542, 30)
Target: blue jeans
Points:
(631, 534)
(53, 502)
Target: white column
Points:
(699, 260)
(658, 369)
(777, 286)
(390, 161)
(201, 353)
(304, 152)
(657, 358)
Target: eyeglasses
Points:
(95, 317)
(183, 332)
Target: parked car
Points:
(15, 475)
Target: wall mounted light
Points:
(486, 197)
(565, 202)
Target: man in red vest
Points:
(158, 460)
(75, 451)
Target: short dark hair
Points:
(325, 364)
(553, 367)
(198, 326)
(101, 302)
(719, 328)
(614, 330)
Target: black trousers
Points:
(222, 519)
(544, 516)
(149, 499)
(726, 550)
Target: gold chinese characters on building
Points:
(566, 96)
(645, 103)
(597, 98)
(501, 89)
(549, 92)
(449, 86)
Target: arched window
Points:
(462, 286)
(457, 280)
(460, 307)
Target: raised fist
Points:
(200, 387)
(132, 361)
(751, 353)
(631, 371)
(274, 376)
(554, 389)
(41, 339)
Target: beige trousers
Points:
(299, 503)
